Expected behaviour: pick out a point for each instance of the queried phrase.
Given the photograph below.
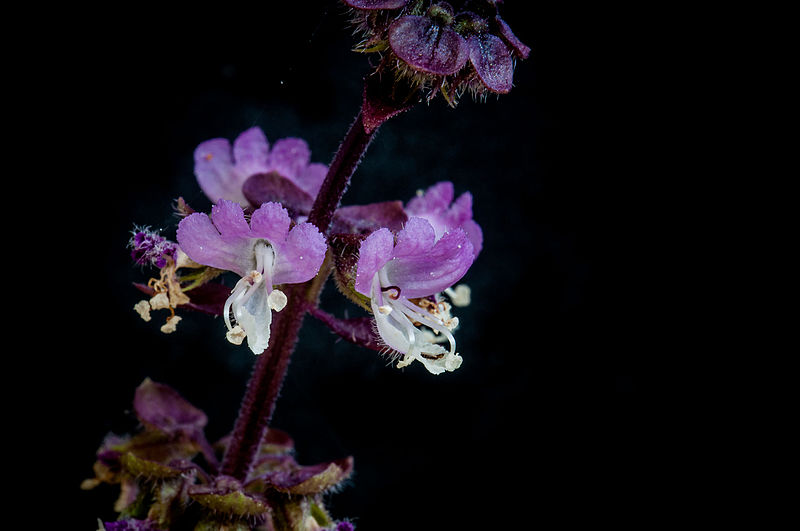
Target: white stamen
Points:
(277, 300)
(236, 335)
(430, 322)
(385, 309)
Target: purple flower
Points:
(402, 276)
(222, 169)
(436, 205)
(264, 253)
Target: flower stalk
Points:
(269, 371)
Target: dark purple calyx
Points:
(265, 187)
(358, 330)
(428, 46)
(376, 4)
(492, 61)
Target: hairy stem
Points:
(269, 371)
(344, 164)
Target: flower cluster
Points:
(440, 46)
(401, 263)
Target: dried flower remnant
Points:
(264, 252)
(403, 276)
(148, 248)
(441, 47)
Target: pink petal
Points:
(289, 157)
(300, 256)
(417, 237)
(215, 172)
(228, 217)
(270, 221)
(310, 179)
(250, 151)
(201, 241)
(436, 269)
(374, 252)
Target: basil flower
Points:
(402, 276)
(264, 252)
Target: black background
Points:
(541, 421)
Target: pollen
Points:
(236, 335)
(209, 156)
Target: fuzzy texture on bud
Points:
(441, 47)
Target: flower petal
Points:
(427, 46)
(310, 180)
(435, 199)
(255, 317)
(299, 258)
(200, 240)
(270, 221)
(394, 334)
(215, 172)
(435, 270)
(417, 237)
(289, 157)
(228, 217)
(250, 151)
(460, 211)
(475, 235)
(374, 252)
(492, 61)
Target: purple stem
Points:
(344, 164)
(269, 371)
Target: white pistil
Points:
(252, 302)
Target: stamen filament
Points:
(430, 323)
